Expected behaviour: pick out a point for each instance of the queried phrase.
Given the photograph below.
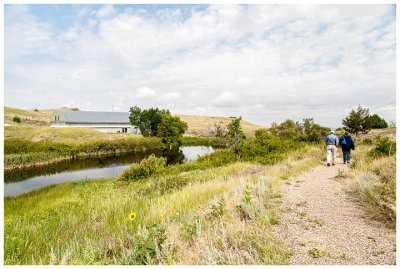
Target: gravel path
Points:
(318, 216)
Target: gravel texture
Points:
(320, 219)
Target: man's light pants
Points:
(331, 152)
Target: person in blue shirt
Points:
(346, 142)
(331, 142)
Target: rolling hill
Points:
(198, 125)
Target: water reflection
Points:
(20, 181)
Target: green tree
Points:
(147, 120)
(170, 130)
(235, 133)
(313, 132)
(357, 121)
(378, 122)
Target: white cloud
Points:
(227, 99)
(145, 92)
(106, 11)
(264, 62)
(169, 97)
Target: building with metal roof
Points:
(110, 122)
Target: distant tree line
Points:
(306, 131)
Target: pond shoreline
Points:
(72, 156)
(98, 166)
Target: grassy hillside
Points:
(30, 116)
(198, 125)
(203, 125)
(388, 132)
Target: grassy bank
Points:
(87, 222)
(25, 146)
(72, 140)
(18, 161)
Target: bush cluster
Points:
(307, 131)
(147, 167)
(144, 169)
(265, 148)
(384, 147)
(16, 119)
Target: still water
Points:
(21, 181)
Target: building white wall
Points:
(107, 128)
(57, 120)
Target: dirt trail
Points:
(318, 215)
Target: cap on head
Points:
(332, 131)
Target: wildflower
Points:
(132, 216)
(139, 234)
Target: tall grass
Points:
(204, 141)
(373, 183)
(13, 161)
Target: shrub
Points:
(17, 119)
(384, 147)
(265, 148)
(147, 247)
(147, 167)
(307, 131)
(36, 110)
(219, 209)
(190, 230)
(366, 141)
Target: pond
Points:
(21, 181)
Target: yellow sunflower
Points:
(132, 216)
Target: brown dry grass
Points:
(202, 125)
(390, 132)
(29, 116)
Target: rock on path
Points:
(319, 219)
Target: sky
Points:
(265, 63)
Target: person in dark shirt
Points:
(346, 142)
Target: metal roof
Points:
(95, 116)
